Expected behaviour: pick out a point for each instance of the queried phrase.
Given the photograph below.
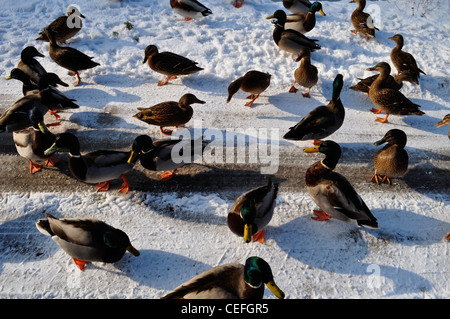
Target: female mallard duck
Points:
(392, 159)
(395, 83)
(87, 240)
(28, 64)
(33, 141)
(69, 58)
(252, 211)
(170, 64)
(362, 21)
(169, 113)
(297, 6)
(230, 281)
(302, 22)
(306, 74)
(323, 121)
(97, 167)
(445, 120)
(404, 61)
(332, 192)
(389, 100)
(158, 155)
(65, 27)
(290, 40)
(254, 82)
(189, 9)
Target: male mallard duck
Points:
(69, 58)
(95, 167)
(445, 120)
(169, 64)
(254, 82)
(362, 21)
(28, 64)
(332, 192)
(302, 22)
(323, 121)
(33, 141)
(290, 40)
(297, 6)
(189, 9)
(27, 85)
(306, 74)
(230, 281)
(158, 155)
(64, 27)
(389, 100)
(395, 83)
(87, 240)
(252, 211)
(392, 159)
(169, 113)
(404, 61)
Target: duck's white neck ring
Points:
(321, 162)
(75, 156)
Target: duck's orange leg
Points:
(375, 177)
(125, 187)
(51, 162)
(165, 131)
(168, 175)
(321, 215)
(447, 236)
(307, 93)
(54, 113)
(253, 98)
(103, 187)
(80, 263)
(375, 110)
(386, 178)
(164, 82)
(381, 120)
(34, 167)
(238, 3)
(293, 89)
(259, 236)
(75, 73)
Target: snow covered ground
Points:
(181, 234)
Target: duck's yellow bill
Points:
(275, 290)
(133, 251)
(313, 149)
(8, 77)
(271, 17)
(247, 233)
(132, 157)
(322, 13)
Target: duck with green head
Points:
(332, 192)
(30, 66)
(297, 6)
(230, 281)
(304, 23)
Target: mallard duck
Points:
(16, 117)
(69, 58)
(87, 240)
(55, 100)
(332, 192)
(395, 83)
(306, 74)
(302, 22)
(97, 167)
(33, 141)
(297, 6)
(158, 155)
(290, 40)
(190, 9)
(389, 100)
(65, 27)
(28, 64)
(238, 3)
(392, 159)
(254, 82)
(445, 120)
(169, 113)
(170, 64)
(323, 121)
(230, 281)
(252, 211)
(362, 21)
(404, 61)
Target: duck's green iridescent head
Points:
(332, 152)
(257, 271)
(317, 7)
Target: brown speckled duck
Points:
(170, 113)
(230, 281)
(332, 192)
(65, 27)
(404, 61)
(254, 82)
(189, 9)
(392, 160)
(87, 239)
(445, 120)
(389, 100)
(395, 83)
(252, 211)
(362, 21)
(170, 64)
(297, 6)
(304, 23)
(69, 58)
(306, 74)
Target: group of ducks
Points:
(93, 240)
